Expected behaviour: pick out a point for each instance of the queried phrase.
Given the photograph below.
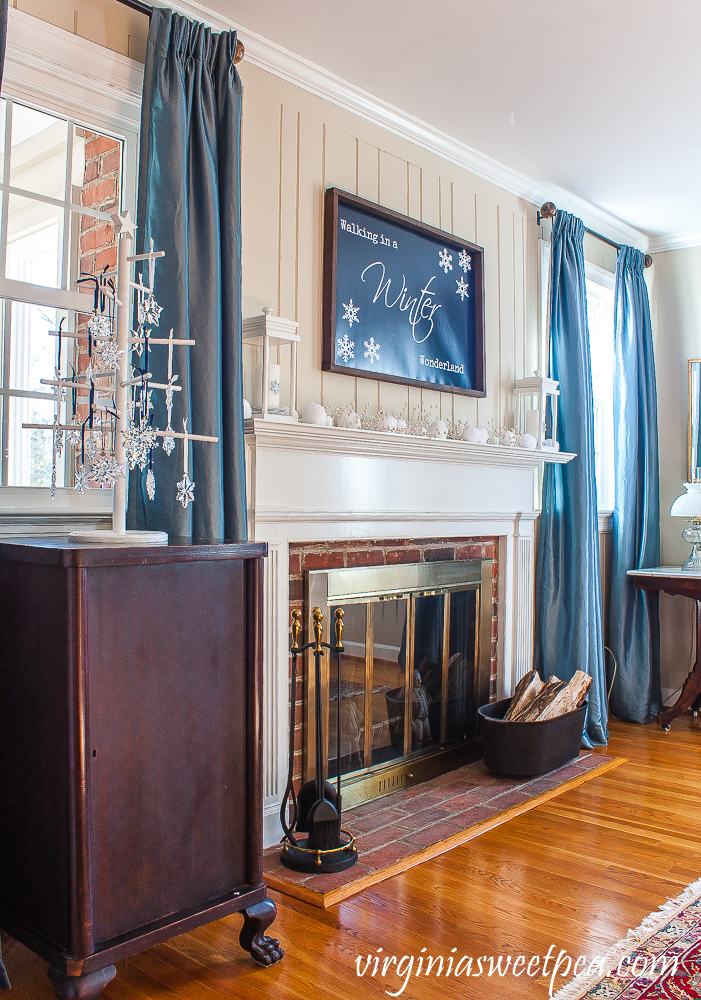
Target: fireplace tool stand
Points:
(316, 811)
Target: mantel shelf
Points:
(402, 447)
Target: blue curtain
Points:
(189, 203)
(568, 628)
(634, 626)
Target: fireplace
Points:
(331, 498)
(415, 669)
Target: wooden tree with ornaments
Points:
(117, 387)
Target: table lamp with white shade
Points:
(688, 507)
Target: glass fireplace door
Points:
(372, 708)
(415, 667)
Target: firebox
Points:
(416, 667)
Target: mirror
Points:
(694, 425)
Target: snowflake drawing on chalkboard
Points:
(465, 261)
(445, 260)
(344, 348)
(351, 313)
(372, 352)
(462, 289)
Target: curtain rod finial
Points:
(546, 211)
(240, 52)
(648, 260)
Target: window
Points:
(600, 310)
(60, 180)
(600, 286)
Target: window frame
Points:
(593, 273)
(82, 82)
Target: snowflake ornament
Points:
(186, 491)
(91, 445)
(149, 311)
(58, 438)
(73, 436)
(445, 260)
(372, 352)
(110, 356)
(463, 290)
(149, 438)
(106, 471)
(82, 479)
(100, 325)
(150, 484)
(351, 313)
(465, 261)
(344, 348)
(275, 386)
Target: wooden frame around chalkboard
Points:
(332, 198)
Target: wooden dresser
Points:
(130, 750)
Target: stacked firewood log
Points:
(536, 701)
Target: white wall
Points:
(675, 286)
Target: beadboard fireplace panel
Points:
(321, 484)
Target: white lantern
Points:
(531, 401)
(268, 331)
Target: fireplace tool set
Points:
(316, 811)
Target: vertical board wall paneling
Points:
(393, 189)
(487, 231)
(340, 172)
(507, 339)
(260, 218)
(287, 250)
(431, 215)
(290, 157)
(414, 210)
(445, 214)
(367, 390)
(464, 407)
(309, 259)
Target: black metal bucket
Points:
(527, 748)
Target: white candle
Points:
(533, 423)
(273, 379)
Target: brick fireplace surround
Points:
(305, 556)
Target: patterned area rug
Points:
(659, 960)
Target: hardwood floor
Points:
(576, 873)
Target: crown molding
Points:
(674, 241)
(286, 65)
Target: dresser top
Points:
(60, 551)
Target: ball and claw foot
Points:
(87, 987)
(256, 920)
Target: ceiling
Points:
(601, 98)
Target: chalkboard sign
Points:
(403, 302)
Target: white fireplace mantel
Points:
(309, 483)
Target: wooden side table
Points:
(130, 750)
(675, 580)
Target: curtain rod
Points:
(547, 211)
(144, 8)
